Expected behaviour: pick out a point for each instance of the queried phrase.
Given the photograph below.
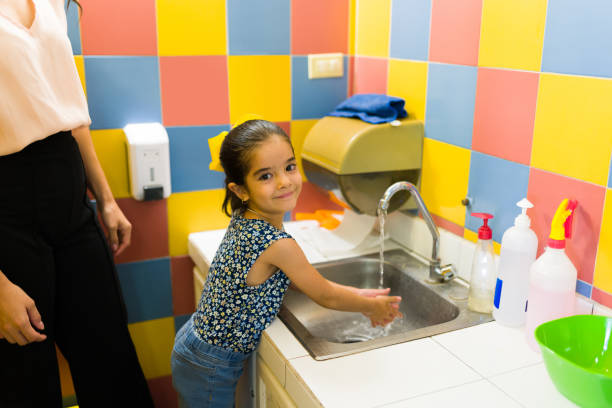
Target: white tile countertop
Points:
(480, 366)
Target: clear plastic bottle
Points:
(552, 277)
(519, 247)
(484, 273)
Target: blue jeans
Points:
(204, 375)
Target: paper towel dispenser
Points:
(357, 161)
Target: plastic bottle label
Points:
(498, 289)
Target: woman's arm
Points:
(119, 228)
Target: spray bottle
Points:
(484, 273)
(552, 277)
(519, 247)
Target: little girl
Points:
(255, 263)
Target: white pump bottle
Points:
(519, 247)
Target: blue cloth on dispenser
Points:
(371, 108)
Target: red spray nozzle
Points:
(571, 205)
(484, 232)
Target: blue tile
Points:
(451, 95)
(610, 175)
(179, 321)
(315, 98)
(147, 289)
(495, 185)
(583, 288)
(259, 27)
(578, 38)
(74, 30)
(122, 90)
(190, 157)
(410, 21)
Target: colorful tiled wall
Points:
(517, 102)
(516, 97)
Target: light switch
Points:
(325, 65)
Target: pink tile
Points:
(319, 26)
(149, 229)
(181, 272)
(194, 90)
(370, 75)
(351, 75)
(455, 31)
(117, 27)
(447, 225)
(313, 198)
(504, 113)
(546, 191)
(602, 297)
(286, 126)
(163, 393)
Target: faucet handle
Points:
(448, 272)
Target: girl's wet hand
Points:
(373, 292)
(386, 309)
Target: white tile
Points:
(532, 388)
(383, 375)
(583, 305)
(450, 248)
(490, 348)
(299, 391)
(284, 340)
(467, 256)
(480, 394)
(601, 310)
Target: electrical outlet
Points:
(325, 65)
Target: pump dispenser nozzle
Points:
(523, 220)
(484, 232)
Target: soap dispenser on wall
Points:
(149, 161)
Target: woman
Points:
(58, 283)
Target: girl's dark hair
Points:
(236, 152)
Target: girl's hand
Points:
(118, 226)
(385, 309)
(18, 314)
(373, 292)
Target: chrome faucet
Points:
(437, 273)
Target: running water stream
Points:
(382, 216)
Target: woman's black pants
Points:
(53, 248)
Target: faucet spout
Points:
(437, 273)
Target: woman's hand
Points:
(118, 227)
(384, 310)
(17, 315)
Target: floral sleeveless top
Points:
(230, 314)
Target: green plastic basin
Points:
(577, 352)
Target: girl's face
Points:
(273, 182)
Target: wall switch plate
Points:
(325, 65)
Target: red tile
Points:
(313, 198)
(163, 393)
(546, 191)
(455, 31)
(447, 225)
(504, 113)
(183, 301)
(370, 75)
(149, 229)
(319, 26)
(117, 27)
(194, 90)
(601, 297)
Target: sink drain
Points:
(355, 339)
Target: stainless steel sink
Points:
(428, 307)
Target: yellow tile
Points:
(372, 28)
(444, 181)
(260, 84)
(473, 236)
(512, 34)
(352, 21)
(572, 134)
(80, 65)
(111, 151)
(191, 27)
(408, 80)
(299, 130)
(191, 212)
(603, 266)
(154, 340)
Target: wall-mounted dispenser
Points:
(357, 161)
(149, 161)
